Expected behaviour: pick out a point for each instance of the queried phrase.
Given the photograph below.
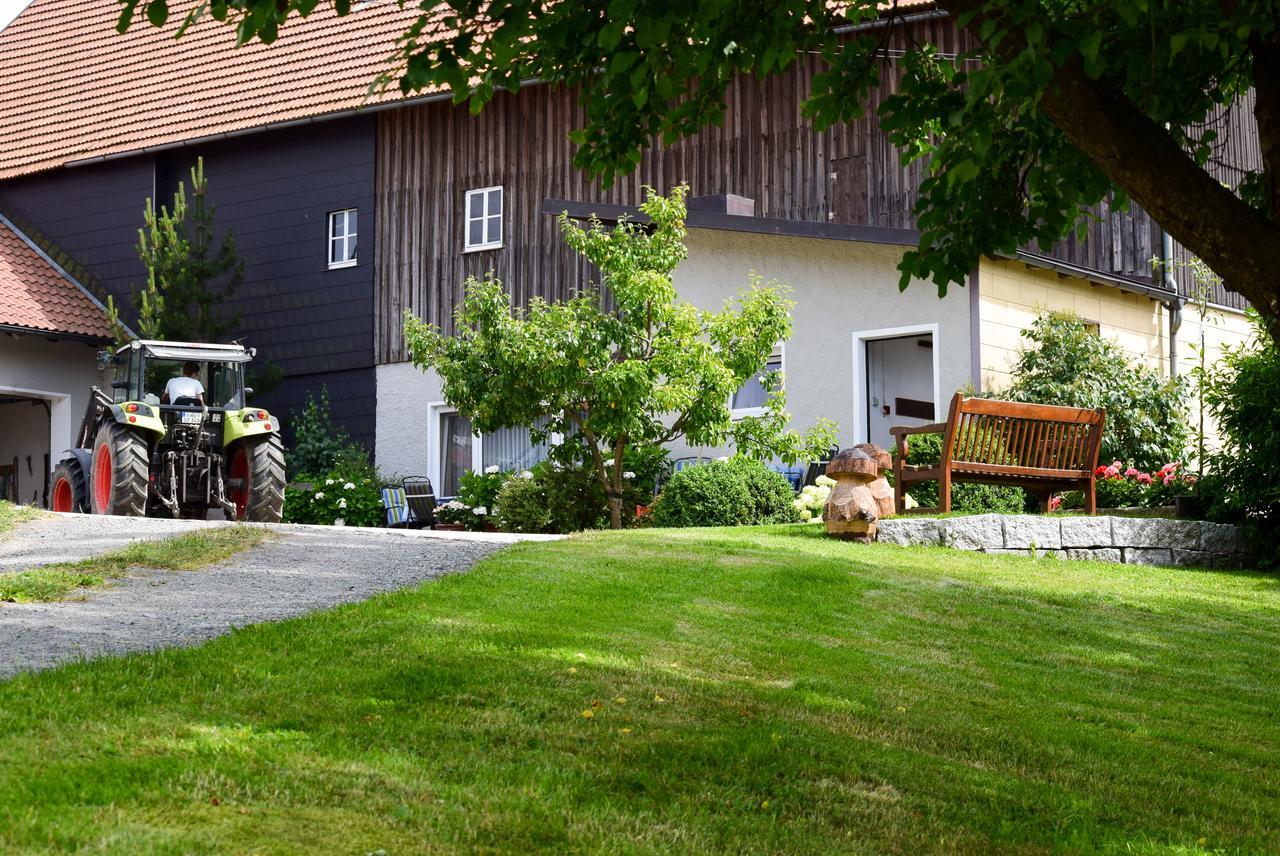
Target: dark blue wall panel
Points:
(274, 191)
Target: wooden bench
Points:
(1039, 447)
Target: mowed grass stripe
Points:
(697, 691)
(181, 553)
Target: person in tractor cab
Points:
(187, 389)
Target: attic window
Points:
(483, 219)
(342, 238)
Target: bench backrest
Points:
(1025, 436)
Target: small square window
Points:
(484, 219)
(342, 238)
(752, 396)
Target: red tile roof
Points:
(35, 295)
(72, 88)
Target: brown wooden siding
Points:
(429, 155)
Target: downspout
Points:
(1174, 305)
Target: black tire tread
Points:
(71, 471)
(266, 481)
(129, 470)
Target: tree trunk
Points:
(615, 512)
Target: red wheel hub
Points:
(102, 480)
(240, 475)
(63, 497)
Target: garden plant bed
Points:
(1130, 540)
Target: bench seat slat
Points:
(977, 468)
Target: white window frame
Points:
(467, 219)
(435, 465)
(861, 428)
(347, 239)
(741, 412)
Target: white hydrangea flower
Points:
(319, 494)
(328, 481)
(825, 481)
(527, 474)
(479, 511)
(628, 475)
(349, 486)
(491, 470)
(723, 459)
(342, 503)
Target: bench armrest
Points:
(931, 428)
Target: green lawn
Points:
(181, 553)
(693, 691)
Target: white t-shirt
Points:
(183, 387)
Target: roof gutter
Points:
(1120, 283)
(88, 338)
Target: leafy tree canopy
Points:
(1061, 103)
(642, 372)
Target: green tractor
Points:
(139, 453)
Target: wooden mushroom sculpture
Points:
(862, 494)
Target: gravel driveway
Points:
(301, 569)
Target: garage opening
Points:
(24, 449)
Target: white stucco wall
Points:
(59, 372)
(840, 289)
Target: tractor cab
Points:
(145, 369)
(174, 436)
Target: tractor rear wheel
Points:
(119, 484)
(256, 471)
(69, 494)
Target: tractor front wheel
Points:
(119, 484)
(256, 471)
(69, 494)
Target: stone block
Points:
(1094, 554)
(1086, 532)
(1026, 554)
(979, 532)
(1220, 538)
(1193, 559)
(1024, 530)
(909, 532)
(1155, 533)
(1147, 556)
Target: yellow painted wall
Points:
(1012, 295)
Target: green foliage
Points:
(564, 494)
(647, 371)
(187, 279)
(1002, 125)
(926, 450)
(738, 491)
(347, 493)
(522, 505)
(1242, 393)
(1066, 364)
(319, 445)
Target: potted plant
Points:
(453, 516)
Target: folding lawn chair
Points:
(397, 508)
(421, 499)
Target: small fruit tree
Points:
(637, 370)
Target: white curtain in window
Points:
(455, 452)
(512, 449)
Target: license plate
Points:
(191, 418)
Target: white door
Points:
(899, 385)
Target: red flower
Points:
(1100, 472)
(1144, 478)
(1055, 503)
(1131, 472)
